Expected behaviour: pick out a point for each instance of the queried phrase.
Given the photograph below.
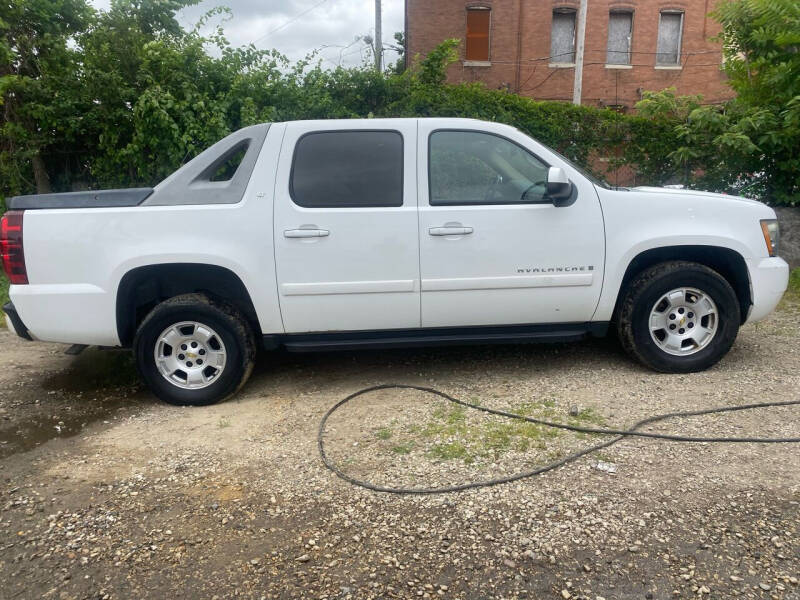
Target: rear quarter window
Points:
(340, 169)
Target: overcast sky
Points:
(330, 26)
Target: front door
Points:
(493, 249)
(345, 219)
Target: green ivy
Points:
(123, 97)
(749, 145)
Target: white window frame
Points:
(677, 64)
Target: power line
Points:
(342, 52)
(289, 22)
(569, 65)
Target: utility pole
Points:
(378, 38)
(577, 88)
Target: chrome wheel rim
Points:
(190, 355)
(683, 321)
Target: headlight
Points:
(772, 235)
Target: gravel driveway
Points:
(106, 493)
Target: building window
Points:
(670, 31)
(478, 20)
(620, 32)
(562, 37)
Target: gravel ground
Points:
(106, 493)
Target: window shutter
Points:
(478, 34)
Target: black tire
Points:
(640, 297)
(229, 325)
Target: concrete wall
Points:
(520, 49)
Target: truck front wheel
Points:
(678, 317)
(192, 351)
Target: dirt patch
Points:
(46, 394)
(146, 500)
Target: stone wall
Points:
(789, 219)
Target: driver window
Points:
(470, 167)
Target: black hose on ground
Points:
(619, 434)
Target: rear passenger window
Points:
(338, 169)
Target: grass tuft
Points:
(3, 296)
(791, 299)
(451, 451)
(794, 282)
(403, 448)
(453, 437)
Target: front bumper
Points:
(14, 323)
(769, 278)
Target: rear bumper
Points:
(14, 322)
(67, 313)
(769, 278)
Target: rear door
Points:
(345, 219)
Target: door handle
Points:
(450, 231)
(306, 233)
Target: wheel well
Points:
(141, 289)
(724, 261)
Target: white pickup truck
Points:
(318, 235)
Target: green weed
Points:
(404, 448)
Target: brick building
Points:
(528, 46)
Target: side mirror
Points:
(559, 188)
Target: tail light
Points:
(11, 247)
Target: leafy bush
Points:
(750, 144)
(123, 97)
(138, 96)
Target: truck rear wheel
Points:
(192, 351)
(679, 317)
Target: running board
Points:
(446, 336)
